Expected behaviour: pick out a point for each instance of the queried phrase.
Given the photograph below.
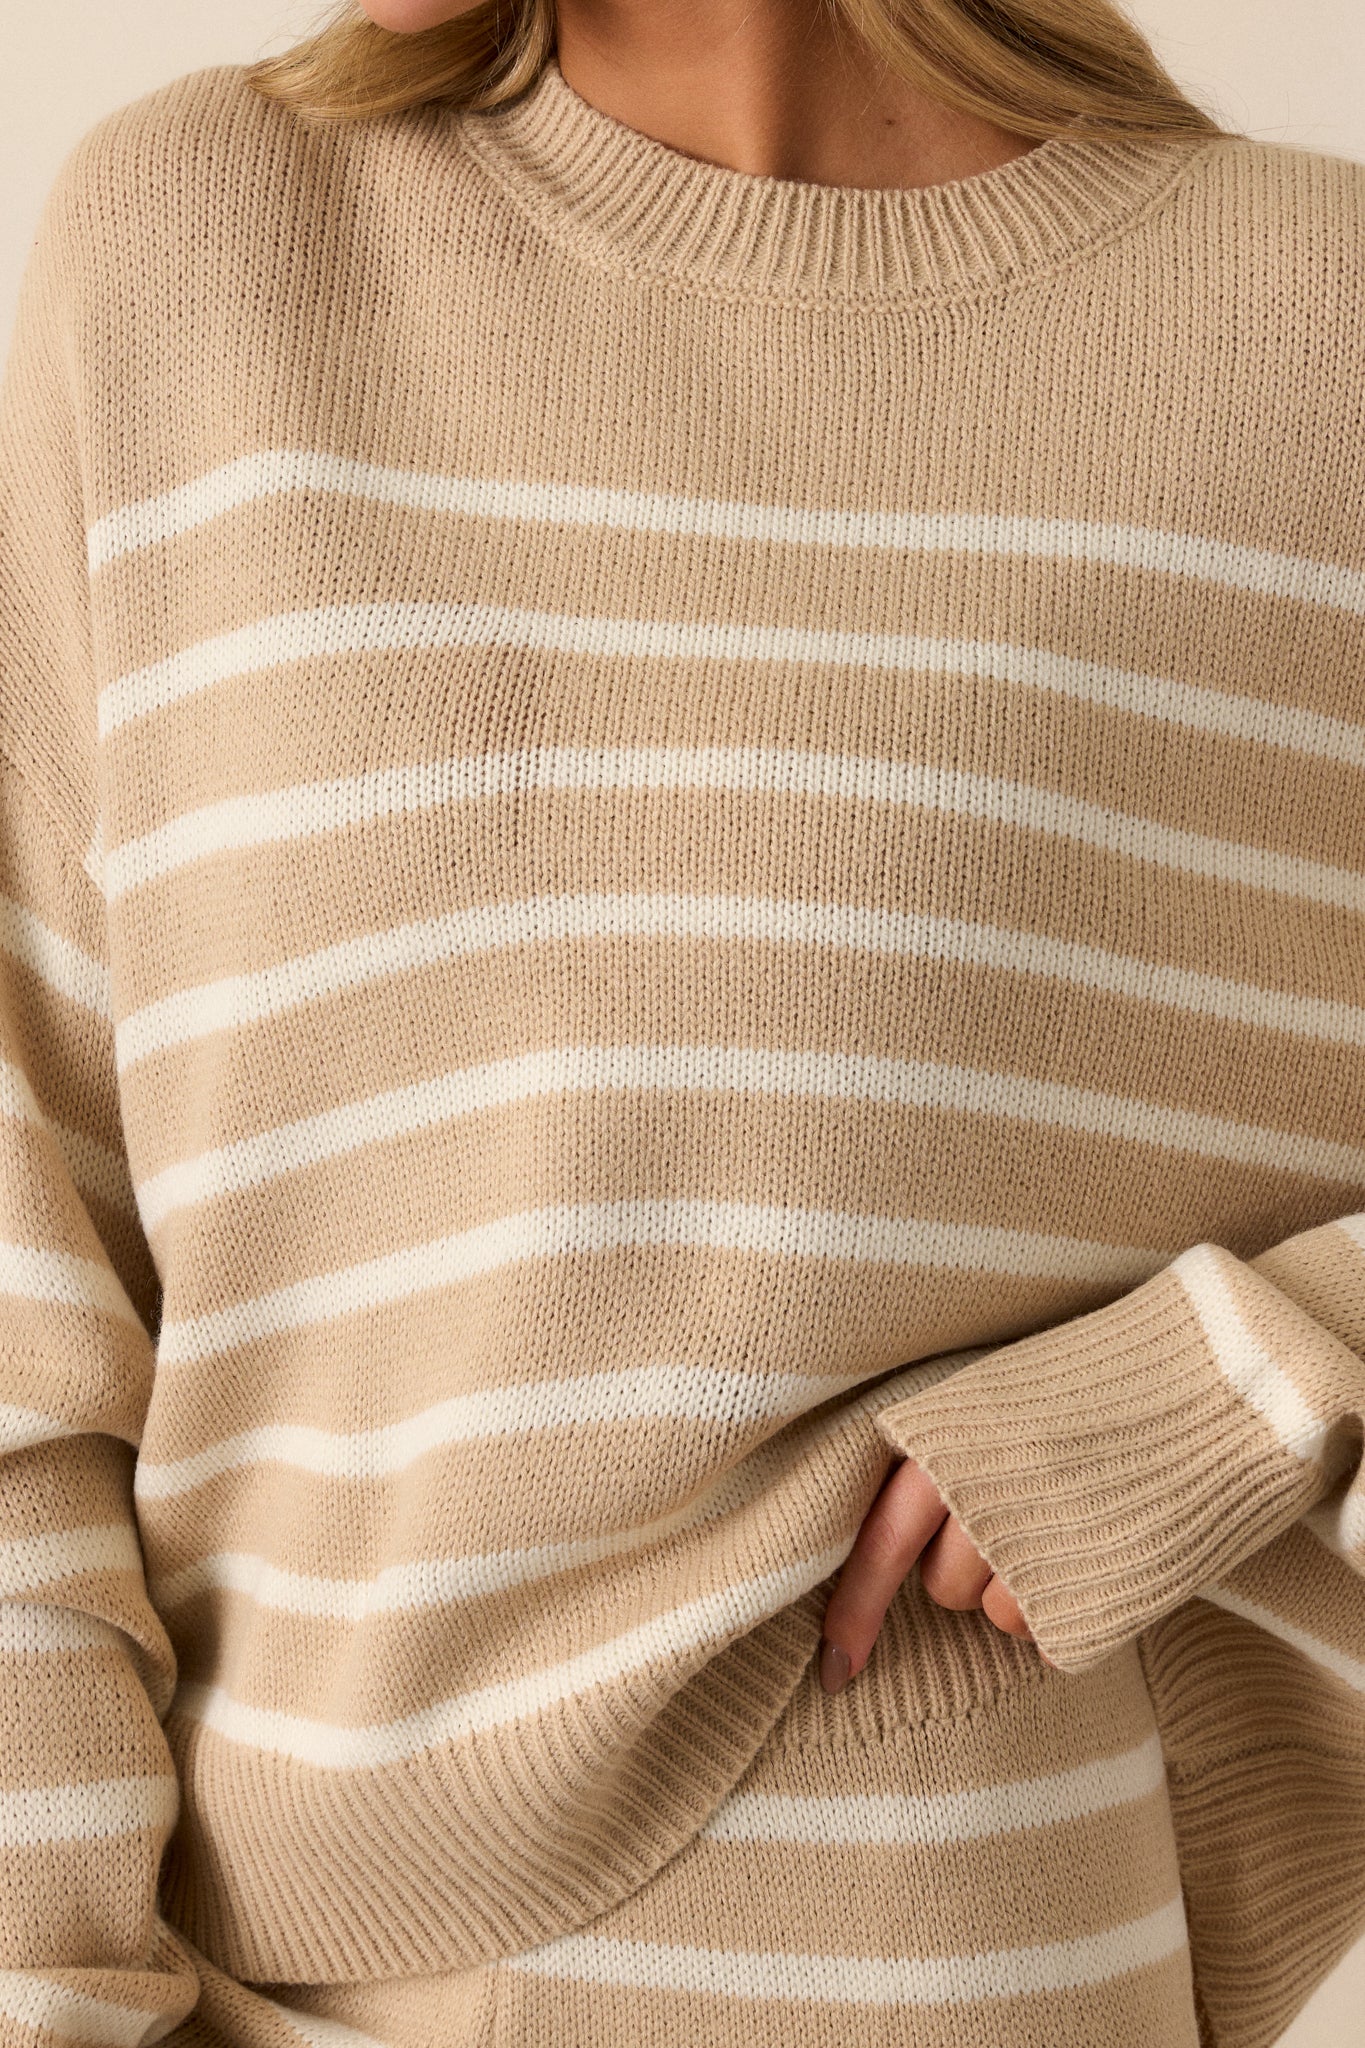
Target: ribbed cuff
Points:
(1107, 1468)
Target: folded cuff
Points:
(1109, 1467)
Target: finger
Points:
(894, 1530)
(952, 1569)
(1004, 1610)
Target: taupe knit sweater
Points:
(661, 831)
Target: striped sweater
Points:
(663, 834)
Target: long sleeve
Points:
(88, 1791)
(1200, 1436)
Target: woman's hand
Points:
(909, 1519)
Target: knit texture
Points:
(840, 1897)
(662, 833)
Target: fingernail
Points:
(834, 1666)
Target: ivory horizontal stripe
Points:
(394, 627)
(865, 1820)
(673, 1637)
(442, 1581)
(446, 1581)
(1352, 1229)
(96, 1170)
(21, 1427)
(235, 1001)
(28, 1562)
(36, 1273)
(92, 860)
(88, 1810)
(310, 810)
(66, 967)
(1339, 1523)
(1245, 1364)
(731, 1400)
(273, 472)
(365, 1455)
(393, 1113)
(1348, 1531)
(29, 1999)
(41, 1628)
(582, 1229)
(399, 1589)
(1349, 1669)
(863, 1980)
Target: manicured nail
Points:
(834, 1666)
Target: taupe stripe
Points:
(322, 2033)
(67, 968)
(27, 1562)
(730, 1400)
(20, 1427)
(240, 999)
(255, 1161)
(569, 1230)
(272, 472)
(932, 1818)
(43, 2003)
(40, 1273)
(674, 1634)
(329, 631)
(97, 1170)
(864, 1980)
(311, 810)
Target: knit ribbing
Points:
(631, 204)
(618, 900)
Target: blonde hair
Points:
(1033, 67)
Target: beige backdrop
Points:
(1288, 70)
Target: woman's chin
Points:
(406, 17)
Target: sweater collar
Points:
(634, 205)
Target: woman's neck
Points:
(777, 88)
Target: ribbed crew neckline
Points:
(629, 203)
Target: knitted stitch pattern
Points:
(662, 833)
